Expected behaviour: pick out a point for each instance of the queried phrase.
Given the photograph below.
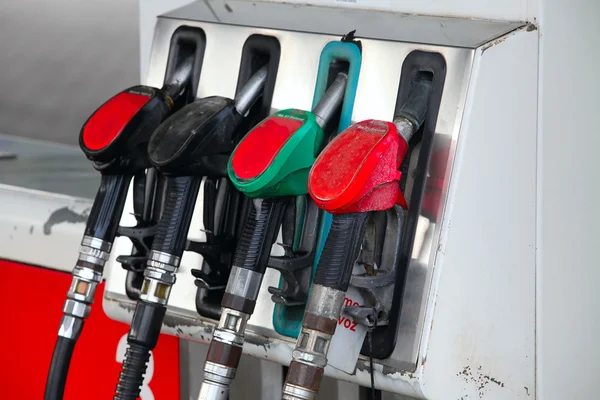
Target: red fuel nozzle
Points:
(359, 170)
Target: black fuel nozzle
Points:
(193, 143)
(115, 139)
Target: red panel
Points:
(31, 300)
(111, 118)
(259, 147)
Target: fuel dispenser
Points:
(376, 224)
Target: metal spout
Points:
(331, 100)
(176, 85)
(251, 91)
(412, 114)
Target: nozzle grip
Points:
(259, 234)
(172, 230)
(341, 250)
(107, 209)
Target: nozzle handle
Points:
(341, 250)
(251, 91)
(106, 211)
(259, 233)
(331, 100)
(173, 227)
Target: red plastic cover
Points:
(358, 170)
(259, 147)
(111, 118)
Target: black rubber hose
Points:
(142, 339)
(59, 368)
(107, 209)
(259, 233)
(173, 227)
(132, 372)
(341, 250)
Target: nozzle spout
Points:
(412, 114)
(175, 86)
(250, 92)
(331, 100)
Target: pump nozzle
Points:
(250, 91)
(175, 86)
(411, 115)
(331, 100)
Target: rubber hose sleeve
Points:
(132, 373)
(341, 250)
(259, 233)
(142, 339)
(59, 368)
(174, 224)
(103, 221)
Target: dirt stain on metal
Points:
(228, 8)
(480, 379)
(64, 214)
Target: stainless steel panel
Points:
(376, 96)
(384, 25)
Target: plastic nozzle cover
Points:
(358, 170)
(331, 100)
(111, 119)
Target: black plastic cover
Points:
(127, 152)
(196, 140)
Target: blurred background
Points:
(60, 60)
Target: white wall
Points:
(568, 318)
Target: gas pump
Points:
(400, 268)
(192, 143)
(115, 139)
(357, 173)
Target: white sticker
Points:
(348, 338)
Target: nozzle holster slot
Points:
(417, 65)
(187, 41)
